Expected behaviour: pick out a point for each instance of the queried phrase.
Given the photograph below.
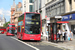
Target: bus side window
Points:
(22, 30)
(18, 29)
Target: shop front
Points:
(71, 25)
(53, 28)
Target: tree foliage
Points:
(6, 24)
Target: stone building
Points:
(27, 6)
(18, 12)
(2, 21)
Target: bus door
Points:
(22, 30)
(19, 31)
(49, 31)
(53, 32)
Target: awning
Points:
(62, 22)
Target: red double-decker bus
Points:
(2, 30)
(10, 30)
(29, 26)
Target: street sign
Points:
(58, 16)
(45, 16)
(48, 18)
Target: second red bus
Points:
(10, 30)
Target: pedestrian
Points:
(63, 37)
(47, 35)
(59, 33)
(42, 34)
(71, 35)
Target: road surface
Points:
(12, 43)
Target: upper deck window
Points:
(32, 16)
(21, 17)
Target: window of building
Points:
(48, 13)
(30, 1)
(70, 3)
(58, 10)
(61, 3)
(21, 9)
(50, 8)
(55, 11)
(31, 8)
(51, 12)
(56, 5)
(62, 7)
(39, 3)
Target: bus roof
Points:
(2, 28)
(30, 12)
(11, 24)
(33, 12)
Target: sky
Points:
(5, 8)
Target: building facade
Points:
(27, 6)
(69, 15)
(18, 12)
(39, 6)
(55, 7)
(12, 12)
(2, 21)
(64, 8)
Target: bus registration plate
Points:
(31, 39)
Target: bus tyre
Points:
(38, 40)
(18, 39)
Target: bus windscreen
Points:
(11, 31)
(32, 23)
(32, 16)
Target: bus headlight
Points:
(25, 36)
(38, 36)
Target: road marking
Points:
(26, 43)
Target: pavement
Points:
(69, 45)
